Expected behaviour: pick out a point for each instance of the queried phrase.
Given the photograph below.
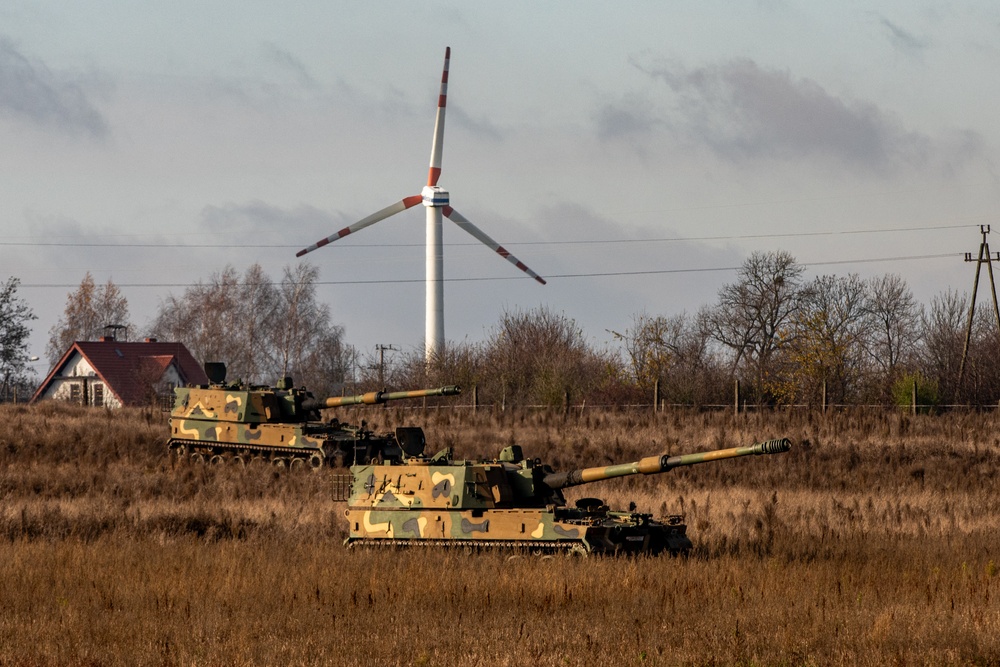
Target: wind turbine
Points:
(436, 200)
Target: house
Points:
(114, 373)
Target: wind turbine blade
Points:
(401, 205)
(437, 147)
(462, 222)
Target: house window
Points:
(75, 392)
(99, 395)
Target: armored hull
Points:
(238, 423)
(512, 502)
(553, 529)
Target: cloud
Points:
(633, 117)
(482, 127)
(903, 41)
(743, 111)
(289, 63)
(258, 216)
(30, 90)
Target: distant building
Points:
(112, 373)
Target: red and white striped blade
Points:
(462, 222)
(437, 147)
(399, 206)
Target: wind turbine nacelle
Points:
(434, 197)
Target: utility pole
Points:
(984, 258)
(382, 349)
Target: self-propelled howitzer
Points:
(240, 423)
(513, 502)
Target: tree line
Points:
(833, 340)
(786, 339)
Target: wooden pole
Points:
(736, 397)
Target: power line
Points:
(608, 274)
(675, 239)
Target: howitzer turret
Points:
(242, 423)
(512, 501)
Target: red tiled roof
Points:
(129, 368)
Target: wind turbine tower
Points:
(437, 202)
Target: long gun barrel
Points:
(652, 465)
(375, 397)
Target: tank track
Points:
(194, 445)
(511, 545)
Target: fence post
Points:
(824, 396)
(913, 397)
(475, 398)
(656, 395)
(736, 398)
(566, 403)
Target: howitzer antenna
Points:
(984, 258)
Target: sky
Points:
(634, 154)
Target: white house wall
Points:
(171, 378)
(77, 371)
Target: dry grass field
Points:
(874, 542)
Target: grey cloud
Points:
(742, 110)
(633, 117)
(30, 90)
(482, 127)
(258, 216)
(289, 63)
(904, 41)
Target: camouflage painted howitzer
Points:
(512, 502)
(240, 423)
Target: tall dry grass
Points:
(874, 541)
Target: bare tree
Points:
(259, 330)
(943, 334)
(752, 315)
(89, 311)
(300, 319)
(674, 350)
(893, 331)
(14, 331)
(827, 345)
(536, 356)
(256, 307)
(204, 318)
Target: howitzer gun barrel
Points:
(652, 465)
(376, 397)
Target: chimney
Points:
(150, 340)
(107, 339)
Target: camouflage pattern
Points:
(374, 397)
(652, 465)
(512, 502)
(240, 423)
